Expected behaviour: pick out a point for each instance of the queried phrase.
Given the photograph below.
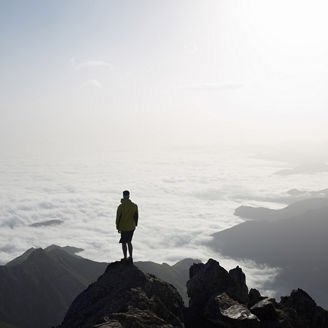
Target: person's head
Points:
(126, 194)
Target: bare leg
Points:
(124, 250)
(130, 249)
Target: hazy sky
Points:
(86, 74)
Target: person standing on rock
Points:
(126, 222)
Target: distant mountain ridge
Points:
(310, 168)
(22, 258)
(292, 210)
(293, 238)
(37, 287)
(176, 274)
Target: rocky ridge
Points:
(221, 299)
(126, 297)
(38, 287)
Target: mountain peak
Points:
(68, 249)
(124, 293)
(37, 288)
(22, 258)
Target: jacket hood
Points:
(125, 200)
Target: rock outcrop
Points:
(302, 311)
(124, 296)
(220, 299)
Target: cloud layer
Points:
(183, 198)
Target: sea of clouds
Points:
(183, 196)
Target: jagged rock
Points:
(265, 309)
(205, 281)
(254, 297)
(223, 311)
(125, 295)
(303, 311)
(295, 311)
(217, 296)
(299, 300)
(211, 279)
(195, 269)
(239, 291)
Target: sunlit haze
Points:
(122, 75)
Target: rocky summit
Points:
(125, 297)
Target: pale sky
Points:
(99, 75)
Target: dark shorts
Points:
(126, 236)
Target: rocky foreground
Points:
(124, 296)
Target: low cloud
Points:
(92, 84)
(46, 223)
(89, 64)
(213, 86)
(312, 168)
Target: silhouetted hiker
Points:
(126, 222)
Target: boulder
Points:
(265, 309)
(223, 311)
(254, 297)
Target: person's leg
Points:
(130, 249)
(124, 248)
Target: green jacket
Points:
(126, 216)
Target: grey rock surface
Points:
(222, 310)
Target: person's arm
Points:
(118, 216)
(136, 216)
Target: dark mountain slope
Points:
(22, 258)
(37, 291)
(296, 244)
(5, 325)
